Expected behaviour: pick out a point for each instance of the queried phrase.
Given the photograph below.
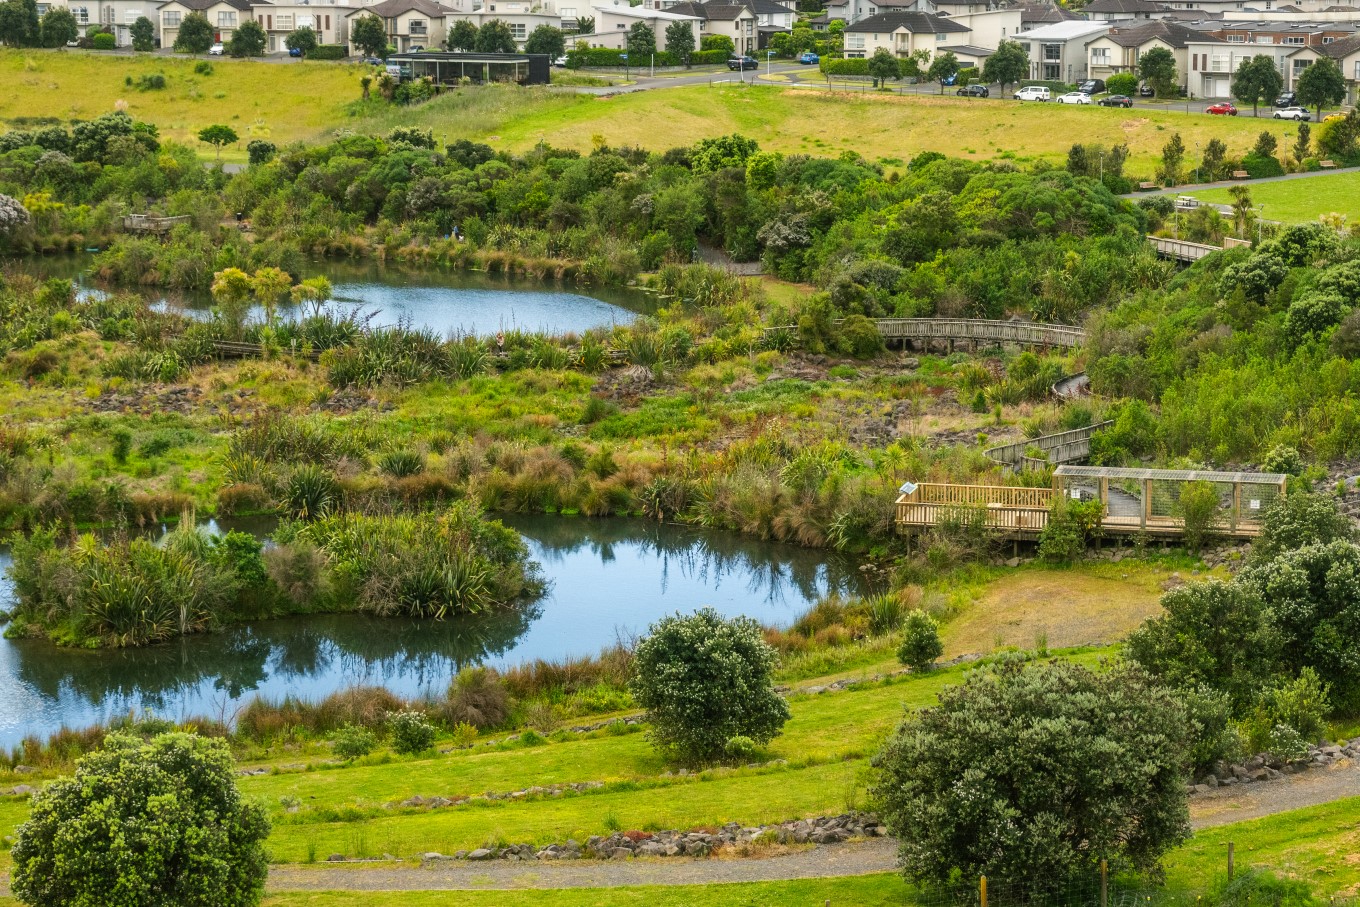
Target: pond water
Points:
(446, 302)
(609, 578)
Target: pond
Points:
(447, 302)
(609, 579)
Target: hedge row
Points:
(329, 52)
(606, 56)
(851, 67)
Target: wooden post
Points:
(1237, 504)
(1104, 884)
(982, 889)
(1230, 861)
(1104, 496)
(1146, 510)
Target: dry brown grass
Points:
(1068, 607)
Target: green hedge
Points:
(844, 67)
(607, 56)
(709, 56)
(104, 41)
(1056, 88)
(329, 52)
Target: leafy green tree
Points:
(495, 37)
(1312, 313)
(943, 68)
(157, 824)
(1199, 508)
(1321, 85)
(462, 35)
(1313, 597)
(248, 40)
(546, 40)
(143, 33)
(232, 289)
(680, 40)
(734, 150)
(641, 43)
(1214, 634)
(353, 742)
(369, 35)
(302, 40)
(1125, 83)
(920, 641)
(704, 680)
(1034, 774)
(219, 136)
(1303, 141)
(195, 36)
(58, 27)
(1173, 156)
(724, 43)
(1213, 166)
(883, 66)
(1157, 67)
(1297, 521)
(19, 24)
(1010, 63)
(1257, 81)
(913, 65)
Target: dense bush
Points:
(156, 823)
(411, 733)
(1033, 775)
(353, 742)
(920, 642)
(704, 680)
(328, 52)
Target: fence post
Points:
(1230, 861)
(1104, 884)
(982, 890)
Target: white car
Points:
(1293, 113)
(1075, 97)
(217, 50)
(1032, 93)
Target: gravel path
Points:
(1223, 806)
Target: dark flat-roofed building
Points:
(451, 68)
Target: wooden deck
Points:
(977, 330)
(1181, 249)
(1023, 512)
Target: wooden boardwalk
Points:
(1060, 447)
(1133, 502)
(147, 223)
(981, 331)
(1181, 249)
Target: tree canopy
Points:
(302, 40)
(195, 35)
(1257, 81)
(248, 40)
(943, 68)
(369, 35)
(1157, 67)
(58, 27)
(495, 37)
(546, 40)
(641, 43)
(1010, 63)
(883, 65)
(1033, 774)
(1321, 85)
(143, 33)
(156, 823)
(680, 40)
(218, 136)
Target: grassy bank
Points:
(1301, 200)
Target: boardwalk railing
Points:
(1060, 447)
(146, 223)
(1030, 333)
(1181, 249)
(1132, 501)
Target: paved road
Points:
(1224, 184)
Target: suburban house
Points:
(1216, 56)
(1117, 10)
(410, 24)
(223, 15)
(115, 15)
(1120, 49)
(1345, 52)
(1034, 13)
(279, 19)
(1057, 52)
(613, 20)
(523, 16)
(902, 34)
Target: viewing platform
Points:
(1133, 501)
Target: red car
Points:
(1223, 108)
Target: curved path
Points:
(1221, 807)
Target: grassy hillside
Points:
(285, 102)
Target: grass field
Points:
(308, 101)
(1300, 200)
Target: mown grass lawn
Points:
(1300, 200)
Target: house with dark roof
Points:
(737, 21)
(1118, 49)
(1119, 10)
(410, 24)
(902, 34)
(1035, 13)
(224, 16)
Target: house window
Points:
(855, 42)
(1328, 40)
(1265, 39)
(1237, 39)
(170, 19)
(1100, 56)
(1294, 39)
(939, 37)
(417, 26)
(517, 30)
(1052, 52)
(285, 21)
(131, 16)
(226, 19)
(82, 15)
(1357, 69)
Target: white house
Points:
(613, 20)
(1057, 52)
(279, 19)
(410, 23)
(1120, 10)
(1120, 49)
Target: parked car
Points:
(1116, 100)
(1222, 109)
(373, 61)
(974, 91)
(1032, 93)
(1288, 99)
(295, 51)
(1293, 113)
(809, 58)
(1147, 91)
(216, 50)
(560, 61)
(951, 79)
(737, 64)
(1092, 86)
(417, 48)
(1075, 97)
(1333, 116)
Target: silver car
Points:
(1075, 97)
(1293, 113)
